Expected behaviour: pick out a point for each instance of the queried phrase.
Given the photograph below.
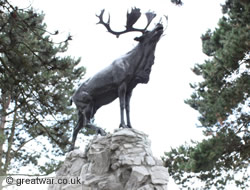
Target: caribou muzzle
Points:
(159, 29)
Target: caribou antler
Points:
(132, 18)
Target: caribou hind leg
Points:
(84, 121)
(90, 111)
(98, 130)
(77, 128)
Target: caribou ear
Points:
(138, 39)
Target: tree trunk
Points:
(5, 101)
(10, 142)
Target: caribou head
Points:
(152, 36)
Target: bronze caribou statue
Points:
(120, 78)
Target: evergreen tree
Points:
(223, 101)
(36, 83)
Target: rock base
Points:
(119, 161)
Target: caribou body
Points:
(116, 81)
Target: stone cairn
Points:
(119, 161)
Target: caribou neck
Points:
(142, 57)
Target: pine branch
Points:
(22, 145)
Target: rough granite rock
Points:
(119, 161)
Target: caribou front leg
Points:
(127, 103)
(122, 95)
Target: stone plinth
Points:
(119, 161)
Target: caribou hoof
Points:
(71, 148)
(123, 126)
(129, 126)
(101, 132)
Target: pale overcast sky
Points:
(158, 108)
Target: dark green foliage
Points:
(177, 2)
(36, 83)
(215, 161)
(223, 101)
